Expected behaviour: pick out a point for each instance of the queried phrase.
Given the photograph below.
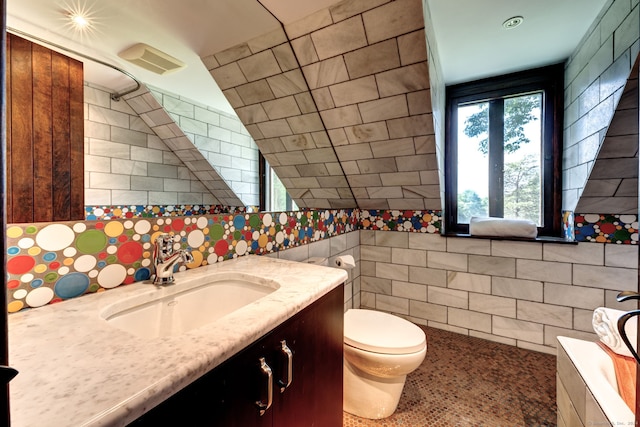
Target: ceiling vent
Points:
(151, 59)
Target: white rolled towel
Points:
(605, 324)
(502, 227)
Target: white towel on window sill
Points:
(502, 227)
(605, 325)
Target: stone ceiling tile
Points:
(425, 144)
(339, 38)
(259, 66)
(427, 191)
(289, 83)
(343, 202)
(338, 137)
(321, 139)
(273, 161)
(373, 59)
(602, 187)
(305, 182)
(350, 168)
(387, 164)
(268, 40)
(383, 109)
(252, 114)
(325, 193)
(315, 170)
(287, 172)
(417, 204)
(164, 131)
(233, 54)
(419, 102)
(325, 73)
(155, 118)
(341, 117)
(285, 57)
(347, 9)
(306, 123)
(619, 146)
(228, 76)
(628, 188)
(233, 98)
(275, 128)
(384, 192)
(367, 133)
(313, 22)
(393, 148)
(281, 108)
(292, 158)
(430, 177)
(210, 62)
(143, 103)
(298, 142)
(255, 92)
(354, 91)
(323, 98)
(320, 155)
(254, 131)
(413, 47)
(620, 205)
(417, 163)
(393, 19)
(335, 168)
(624, 122)
(270, 146)
(360, 192)
(305, 51)
(615, 168)
(400, 178)
(370, 180)
(354, 152)
(306, 103)
(406, 79)
(332, 181)
(411, 126)
(367, 203)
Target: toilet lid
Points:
(380, 332)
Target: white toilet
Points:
(380, 349)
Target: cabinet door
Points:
(315, 338)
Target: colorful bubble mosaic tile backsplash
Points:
(51, 262)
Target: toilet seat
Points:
(380, 332)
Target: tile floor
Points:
(466, 381)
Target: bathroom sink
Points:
(179, 308)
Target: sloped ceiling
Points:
(613, 183)
(339, 104)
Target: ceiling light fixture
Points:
(79, 20)
(512, 22)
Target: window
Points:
(273, 195)
(503, 150)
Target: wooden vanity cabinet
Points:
(227, 396)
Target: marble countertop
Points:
(75, 369)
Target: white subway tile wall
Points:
(518, 293)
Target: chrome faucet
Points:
(164, 259)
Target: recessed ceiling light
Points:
(512, 22)
(79, 20)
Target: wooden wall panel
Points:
(45, 138)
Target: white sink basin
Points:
(181, 307)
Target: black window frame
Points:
(549, 80)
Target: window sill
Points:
(539, 239)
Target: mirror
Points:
(125, 163)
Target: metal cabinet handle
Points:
(286, 382)
(266, 370)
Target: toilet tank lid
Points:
(380, 332)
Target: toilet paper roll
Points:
(345, 261)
